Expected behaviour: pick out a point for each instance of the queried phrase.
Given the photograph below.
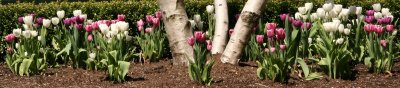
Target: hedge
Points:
(136, 9)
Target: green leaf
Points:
(324, 61)
(261, 72)
(367, 61)
(124, 68)
(66, 49)
(111, 71)
(23, 69)
(313, 76)
(304, 66)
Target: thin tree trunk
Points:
(248, 17)
(178, 30)
(221, 27)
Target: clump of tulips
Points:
(152, 40)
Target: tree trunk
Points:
(248, 17)
(221, 27)
(178, 30)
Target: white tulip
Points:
(314, 16)
(92, 55)
(114, 29)
(84, 16)
(126, 33)
(104, 28)
(378, 15)
(39, 38)
(302, 10)
(200, 25)
(327, 7)
(119, 36)
(128, 38)
(385, 11)
(210, 9)
(352, 10)
(16, 45)
(123, 26)
(109, 40)
(341, 28)
(297, 16)
(192, 23)
(17, 32)
(26, 27)
(345, 12)
(333, 14)
(89, 21)
(61, 14)
(347, 31)
(358, 10)
(197, 18)
(377, 7)
(309, 40)
(46, 23)
(26, 34)
(321, 13)
(339, 41)
(348, 25)
(308, 6)
(77, 12)
(34, 33)
(55, 20)
(337, 8)
(28, 20)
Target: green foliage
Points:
(200, 68)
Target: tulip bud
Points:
(283, 17)
(148, 30)
(89, 28)
(210, 9)
(46, 23)
(339, 41)
(61, 14)
(271, 26)
(341, 28)
(121, 17)
(197, 18)
(190, 41)
(280, 34)
(358, 10)
(309, 40)
(28, 20)
(9, 50)
(10, 38)
(260, 39)
(208, 42)
(209, 47)
(39, 38)
(21, 20)
(347, 31)
(156, 22)
(270, 33)
(90, 37)
(389, 28)
(55, 20)
(92, 55)
(383, 43)
(297, 23)
(306, 25)
(302, 10)
(158, 14)
(17, 32)
(77, 12)
(282, 47)
(377, 7)
(327, 7)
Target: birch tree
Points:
(221, 26)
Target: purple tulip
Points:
(9, 38)
(389, 28)
(283, 17)
(380, 21)
(369, 28)
(74, 19)
(386, 20)
(67, 21)
(260, 39)
(80, 19)
(156, 22)
(158, 14)
(370, 12)
(39, 20)
(78, 26)
(121, 17)
(369, 19)
(21, 20)
(297, 23)
(89, 28)
(291, 19)
(190, 41)
(306, 25)
(90, 38)
(280, 34)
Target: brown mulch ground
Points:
(164, 74)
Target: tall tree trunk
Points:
(248, 17)
(221, 27)
(178, 30)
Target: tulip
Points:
(114, 29)
(260, 39)
(331, 26)
(271, 26)
(77, 12)
(297, 23)
(149, 19)
(209, 47)
(95, 25)
(358, 10)
(197, 18)
(272, 49)
(202, 37)
(17, 32)
(90, 37)
(46, 23)
(344, 13)
(34, 33)
(158, 14)
(370, 12)
(123, 26)
(190, 41)
(327, 7)
(21, 20)
(26, 34)
(39, 20)
(306, 25)
(9, 50)
(297, 16)
(26, 26)
(140, 23)
(368, 28)
(385, 11)
(313, 16)
(81, 18)
(208, 42)
(308, 6)
(377, 7)
(369, 19)
(89, 28)
(67, 22)
(302, 10)
(148, 30)
(337, 8)
(280, 34)
(210, 9)
(55, 20)
(321, 13)
(61, 14)
(92, 55)
(9, 38)
(283, 17)
(121, 17)
(197, 34)
(341, 28)
(386, 20)
(339, 41)
(389, 28)
(230, 32)
(383, 43)
(39, 38)
(192, 24)
(74, 19)
(347, 31)
(270, 33)
(378, 29)
(282, 47)
(291, 19)
(156, 22)
(28, 20)
(78, 26)
(378, 15)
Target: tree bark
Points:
(221, 27)
(178, 30)
(248, 17)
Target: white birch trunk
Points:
(178, 30)
(249, 16)
(221, 27)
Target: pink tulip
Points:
(283, 17)
(369, 19)
(140, 28)
(209, 47)
(378, 29)
(156, 22)
(121, 17)
(280, 34)
(282, 47)
(271, 26)
(370, 12)
(148, 30)
(202, 37)
(272, 49)
(230, 32)
(158, 14)
(197, 35)
(306, 25)
(297, 23)
(208, 42)
(260, 39)
(291, 19)
(140, 23)
(149, 19)
(90, 38)
(10, 38)
(369, 28)
(190, 41)
(95, 25)
(9, 50)
(270, 33)
(380, 21)
(67, 21)
(39, 20)
(383, 43)
(21, 20)
(78, 26)
(89, 28)
(389, 28)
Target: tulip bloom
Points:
(89, 28)
(272, 49)
(190, 41)
(121, 17)
(28, 20)
(158, 14)
(283, 17)
(270, 33)
(61, 14)
(370, 12)
(148, 30)
(46, 22)
(271, 26)
(10, 38)
(389, 28)
(208, 42)
(21, 20)
(280, 34)
(39, 20)
(90, 38)
(55, 20)
(140, 24)
(78, 26)
(369, 28)
(383, 43)
(209, 47)
(197, 35)
(149, 19)
(378, 29)
(282, 47)
(306, 25)
(156, 22)
(260, 39)
(297, 23)
(369, 19)
(210, 9)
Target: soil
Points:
(164, 74)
